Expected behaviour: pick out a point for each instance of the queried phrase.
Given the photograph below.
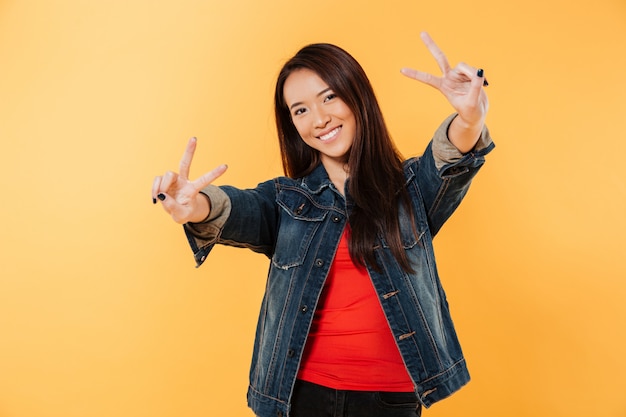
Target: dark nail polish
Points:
(480, 73)
(485, 83)
(161, 196)
(153, 200)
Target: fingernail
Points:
(153, 200)
(161, 196)
(480, 73)
(485, 83)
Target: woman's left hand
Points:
(462, 86)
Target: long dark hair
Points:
(376, 179)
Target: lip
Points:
(336, 130)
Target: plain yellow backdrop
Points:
(102, 312)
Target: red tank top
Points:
(350, 345)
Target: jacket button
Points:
(336, 219)
(319, 262)
(304, 309)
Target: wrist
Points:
(461, 124)
(203, 209)
(463, 134)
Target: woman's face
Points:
(322, 119)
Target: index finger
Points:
(437, 53)
(185, 162)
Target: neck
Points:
(338, 174)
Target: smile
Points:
(330, 134)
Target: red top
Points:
(350, 345)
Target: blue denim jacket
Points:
(297, 223)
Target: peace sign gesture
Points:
(463, 88)
(181, 197)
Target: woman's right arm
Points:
(239, 218)
(210, 214)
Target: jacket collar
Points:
(317, 180)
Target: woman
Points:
(354, 321)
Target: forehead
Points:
(303, 84)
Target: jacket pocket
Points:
(300, 219)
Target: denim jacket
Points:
(297, 224)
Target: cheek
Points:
(351, 123)
(300, 128)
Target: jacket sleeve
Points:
(240, 218)
(444, 174)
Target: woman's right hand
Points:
(180, 197)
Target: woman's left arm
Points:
(463, 88)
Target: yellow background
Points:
(102, 312)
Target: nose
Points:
(321, 118)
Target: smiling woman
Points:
(351, 292)
(324, 122)
(102, 312)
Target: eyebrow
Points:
(318, 94)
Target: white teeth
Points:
(330, 134)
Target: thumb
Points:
(177, 209)
(476, 86)
(166, 201)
